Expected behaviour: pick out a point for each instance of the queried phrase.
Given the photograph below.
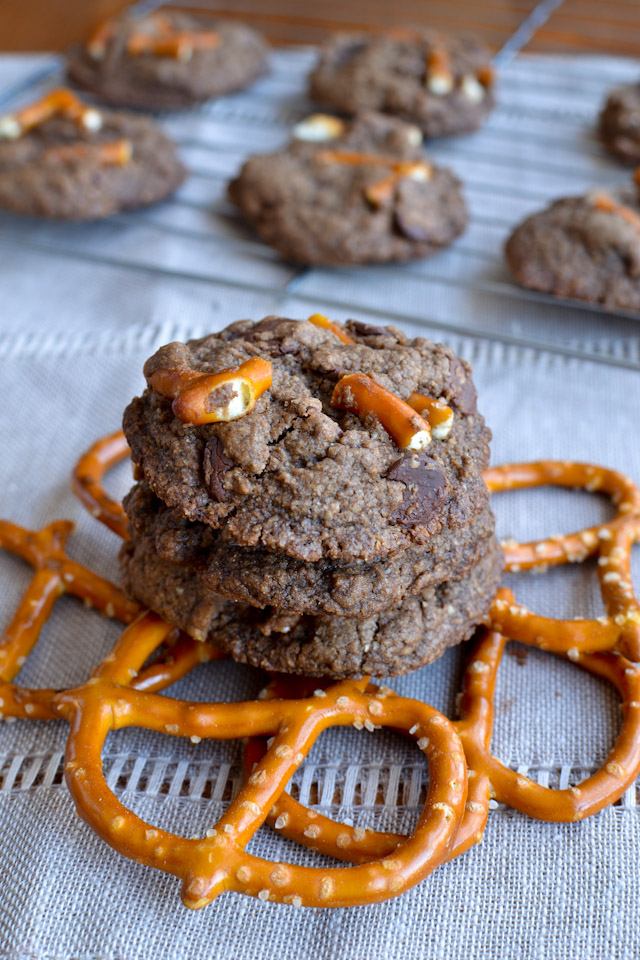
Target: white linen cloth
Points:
(82, 308)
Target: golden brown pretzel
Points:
(157, 36)
(363, 396)
(319, 320)
(59, 102)
(86, 482)
(219, 861)
(487, 775)
(602, 201)
(378, 194)
(611, 541)
(213, 397)
(55, 575)
(439, 415)
(312, 829)
(112, 153)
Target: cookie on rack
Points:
(587, 248)
(167, 61)
(62, 159)
(619, 122)
(443, 84)
(297, 471)
(355, 192)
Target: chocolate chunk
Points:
(426, 488)
(275, 348)
(460, 385)
(368, 330)
(215, 464)
(411, 225)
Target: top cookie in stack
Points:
(330, 529)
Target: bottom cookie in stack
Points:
(409, 608)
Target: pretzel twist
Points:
(60, 102)
(219, 861)
(361, 395)
(611, 541)
(213, 397)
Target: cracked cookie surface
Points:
(297, 476)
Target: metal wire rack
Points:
(538, 144)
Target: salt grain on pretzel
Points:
(363, 396)
(213, 397)
(219, 861)
(61, 102)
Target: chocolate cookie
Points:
(441, 83)
(391, 643)
(167, 60)
(619, 122)
(255, 576)
(344, 193)
(299, 476)
(584, 247)
(78, 163)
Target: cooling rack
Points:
(539, 144)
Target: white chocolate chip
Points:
(10, 129)
(440, 83)
(91, 120)
(471, 89)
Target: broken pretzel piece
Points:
(213, 397)
(318, 320)
(439, 415)
(361, 395)
(113, 153)
(61, 102)
(602, 201)
(378, 194)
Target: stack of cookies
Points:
(310, 534)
